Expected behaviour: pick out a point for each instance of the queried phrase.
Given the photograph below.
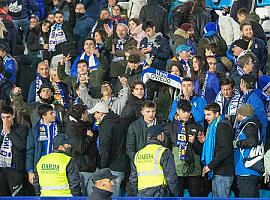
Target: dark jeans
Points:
(12, 180)
(192, 183)
(248, 186)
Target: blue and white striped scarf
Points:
(93, 62)
(46, 135)
(57, 36)
(5, 151)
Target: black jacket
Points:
(168, 167)
(112, 138)
(18, 138)
(132, 109)
(84, 149)
(223, 162)
(99, 194)
(160, 50)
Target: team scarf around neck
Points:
(210, 143)
(186, 68)
(5, 152)
(233, 105)
(57, 36)
(59, 95)
(240, 70)
(38, 84)
(182, 140)
(205, 84)
(93, 62)
(162, 77)
(46, 134)
(120, 44)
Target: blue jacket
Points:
(10, 67)
(82, 28)
(246, 139)
(212, 88)
(254, 100)
(160, 50)
(197, 109)
(20, 9)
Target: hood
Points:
(253, 17)
(134, 100)
(110, 116)
(179, 32)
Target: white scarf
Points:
(5, 151)
(57, 36)
(38, 84)
(91, 61)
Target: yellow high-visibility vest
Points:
(51, 170)
(149, 170)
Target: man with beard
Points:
(256, 45)
(42, 77)
(45, 94)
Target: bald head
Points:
(43, 69)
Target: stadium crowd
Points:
(133, 98)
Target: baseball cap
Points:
(154, 131)
(182, 47)
(249, 79)
(241, 43)
(60, 139)
(100, 107)
(104, 173)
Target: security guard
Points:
(57, 173)
(154, 171)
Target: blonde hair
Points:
(2, 29)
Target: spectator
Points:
(183, 35)
(13, 149)
(112, 140)
(10, 64)
(100, 37)
(82, 27)
(137, 136)
(40, 140)
(154, 166)
(256, 45)
(247, 136)
(197, 72)
(60, 39)
(211, 85)
(197, 103)
(154, 46)
(45, 94)
(83, 142)
(247, 86)
(33, 21)
(132, 109)
(117, 16)
(68, 175)
(217, 155)
(96, 75)
(104, 181)
(242, 15)
(182, 137)
(135, 29)
(152, 11)
(119, 47)
(42, 77)
(38, 41)
(228, 99)
(116, 104)
(183, 55)
(244, 66)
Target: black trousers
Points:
(192, 183)
(11, 182)
(248, 186)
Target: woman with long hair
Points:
(198, 72)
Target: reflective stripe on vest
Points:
(52, 175)
(149, 170)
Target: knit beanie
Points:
(245, 110)
(186, 27)
(264, 82)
